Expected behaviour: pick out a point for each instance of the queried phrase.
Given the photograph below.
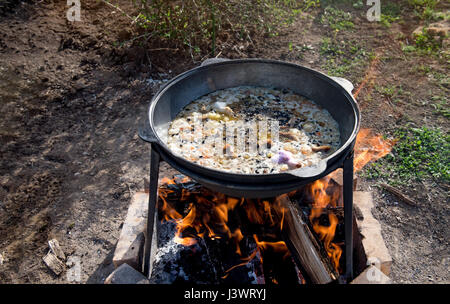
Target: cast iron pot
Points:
(334, 94)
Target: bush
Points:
(424, 8)
(198, 23)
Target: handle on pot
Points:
(214, 60)
(345, 83)
(146, 133)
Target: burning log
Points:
(303, 246)
(228, 238)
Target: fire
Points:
(322, 200)
(278, 247)
(168, 211)
(370, 147)
(208, 214)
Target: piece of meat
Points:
(289, 136)
(321, 148)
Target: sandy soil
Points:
(71, 102)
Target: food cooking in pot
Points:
(253, 130)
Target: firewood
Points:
(52, 262)
(337, 177)
(304, 247)
(56, 249)
(407, 200)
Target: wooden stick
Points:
(399, 195)
(52, 262)
(304, 247)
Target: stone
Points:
(440, 29)
(373, 243)
(131, 242)
(372, 275)
(125, 274)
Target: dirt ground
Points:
(71, 103)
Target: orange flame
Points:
(167, 210)
(326, 235)
(208, 217)
(278, 247)
(208, 213)
(370, 147)
(318, 191)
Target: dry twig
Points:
(404, 198)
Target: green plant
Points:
(200, 24)
(299, 50)
(408, 48)
(424, 9)
(419, 153)
(421, 69)
(358, 4)
(442, 79)
(427, 43)
(342, 57)
(441, 106)
(330, 47)
(390, 12)
(337, 19)
(390, 91)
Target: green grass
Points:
(299, 50)
(425, 9)
(343, 58)
(425, 44)
(390, 91)
(390, 13)
(441, 79)
(337, 19)
(419, 153)
(441, 106)
(421, 69)
(393, 92)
